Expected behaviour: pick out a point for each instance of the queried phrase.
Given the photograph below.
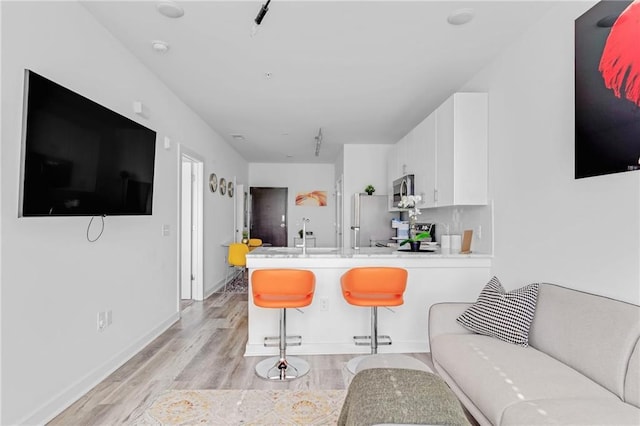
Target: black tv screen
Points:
(81, 158)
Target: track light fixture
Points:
(318, 141)
(261, 13)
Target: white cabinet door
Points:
(392, 167)
(403, 154)
(424, 155)
(462, 138)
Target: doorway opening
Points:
(268, 215)
(191, 265)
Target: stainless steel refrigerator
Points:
(370, 220)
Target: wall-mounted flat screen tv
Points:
(81, 158)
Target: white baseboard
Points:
(217, 286)
(75, 391)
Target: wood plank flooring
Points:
(203, 350)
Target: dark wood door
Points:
(269, 215)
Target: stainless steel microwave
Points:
(401, 187)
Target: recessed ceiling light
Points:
(237, 137)
(268, 75)
(289, 156)
(461, 16)
(170, 9)
(160, 46)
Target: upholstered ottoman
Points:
(399, 389)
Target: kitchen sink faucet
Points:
(304, 235)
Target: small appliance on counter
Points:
(402, 230)
(427, 227)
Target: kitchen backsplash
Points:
(456, 219)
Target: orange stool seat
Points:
(282, 289)
(373, 287)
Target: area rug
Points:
(245, 407)
(237, 284)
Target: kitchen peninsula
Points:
(328, 325)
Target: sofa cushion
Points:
(593, 334)
(632, 379)
(495, 375)
(506, 316)
(571, 411)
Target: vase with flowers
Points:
(410, 202)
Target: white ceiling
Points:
(363, 71)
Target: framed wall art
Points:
(607, 89)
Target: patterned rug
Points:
(245, 407)
(237, 284)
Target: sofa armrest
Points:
(442, 319)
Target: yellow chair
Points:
(254, 243)
(237, 258)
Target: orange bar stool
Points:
(373, 287)
(282, 289)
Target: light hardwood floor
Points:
(203, 350)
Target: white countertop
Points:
(330, 323)
(369, 252)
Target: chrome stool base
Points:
(352, 364)
(276, 368)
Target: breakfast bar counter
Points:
(328, 325)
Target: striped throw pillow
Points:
(504, 315)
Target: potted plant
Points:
(410, 202)
(369, 190)
(414, 242)
(245, 237)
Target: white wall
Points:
(549, 226)
(363, 164)
(53, 280)
(302, 178)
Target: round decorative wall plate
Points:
(213, 182)
(230, 189)
(223, 186)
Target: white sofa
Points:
(582, 366)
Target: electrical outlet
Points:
(324, 304)
(102, 321)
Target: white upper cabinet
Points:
(462, 139)
(447, 153)
(392, 167)
(424, 156)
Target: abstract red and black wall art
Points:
(607, 89)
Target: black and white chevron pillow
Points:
(504, 315)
